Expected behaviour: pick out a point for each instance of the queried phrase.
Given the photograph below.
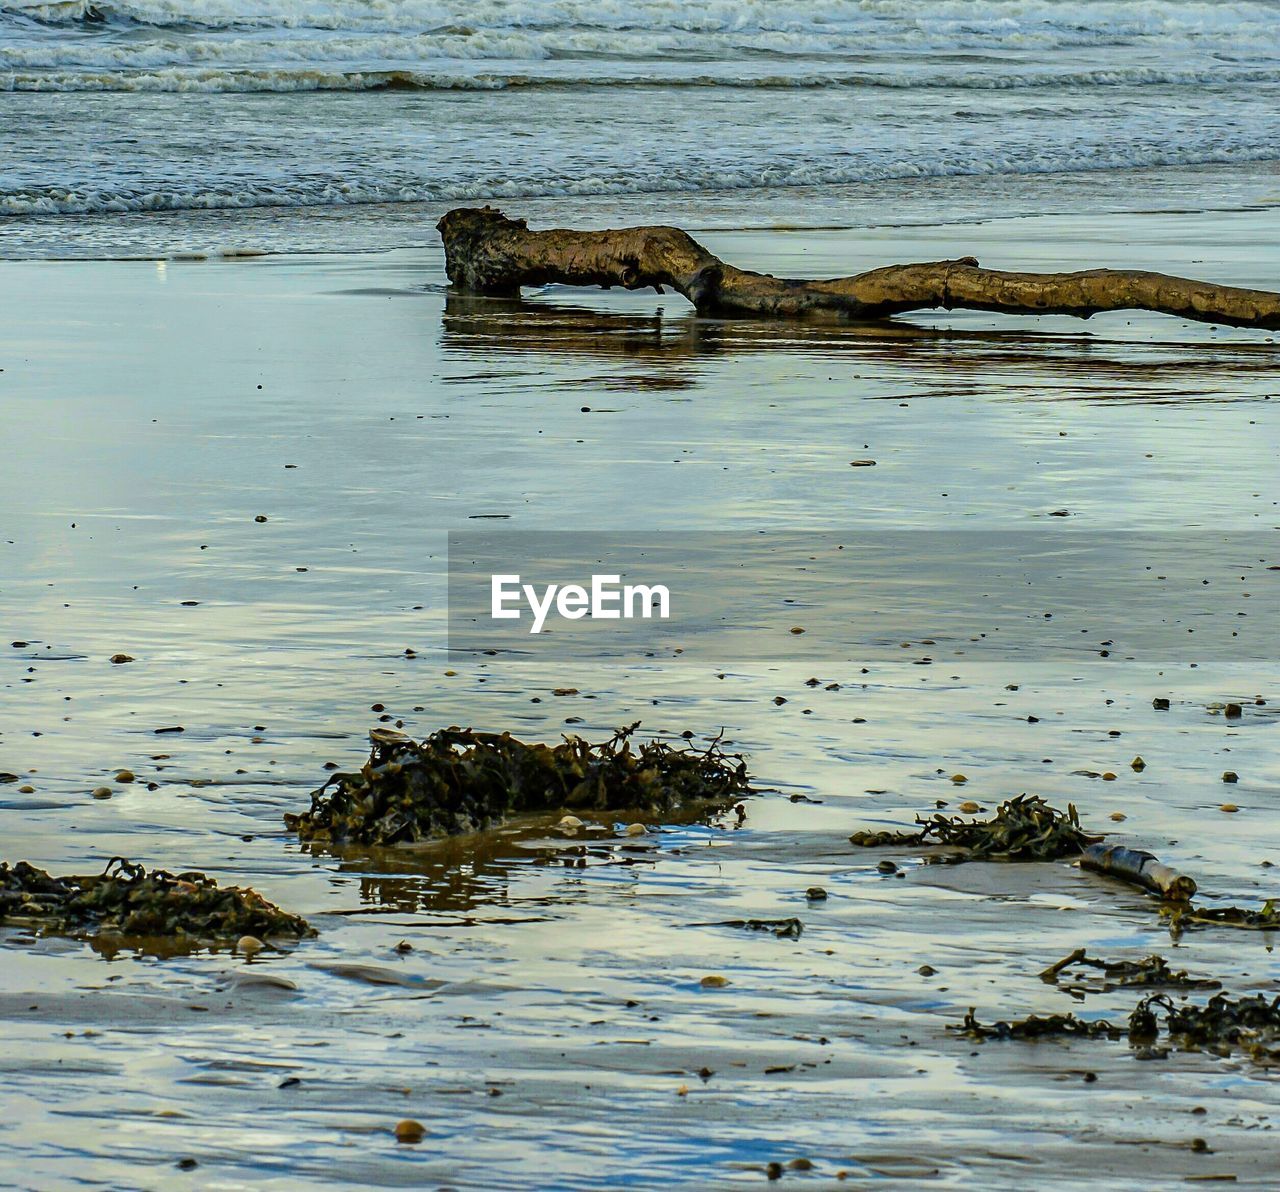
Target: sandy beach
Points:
(548, 1022)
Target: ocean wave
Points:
(534, 29)
(1065, 18)
(300, 79)
(759, 175)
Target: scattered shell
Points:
(1108, 776)
(409, 1131)
(969, 807)
(570, 823)
(249, 946)
(636, 829)
(959, 779)
(1118, 816)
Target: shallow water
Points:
(564, 972)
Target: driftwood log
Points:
(487, 253)
(1140, 869)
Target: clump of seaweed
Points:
(1225, 1024)
(1265, 918)
(1250, 1025)
(1151, 971)
(460, 781)
(1025, 828)
(128, 901)
(784, 929)
(1038, 1026)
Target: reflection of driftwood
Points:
(487, 253)
(1142, 869)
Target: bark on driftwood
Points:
(487, 253)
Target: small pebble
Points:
(969, 807)
(409, 1131)
(886, 867)
(1138, 764)
(636, 829)
(1230, 776)
(1228, 807)
(125, 776)
(714, 981)
(570, 823)
(1118, 817)
(1233, 710)
(1160, 704)
(959, 779)
(249, 946)
(102, 792)
(260, 518)
(119, 659)
(815, 894)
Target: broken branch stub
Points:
(487, 253)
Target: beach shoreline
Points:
(548, 1015)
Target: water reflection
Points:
(490, 870)
(489, 328)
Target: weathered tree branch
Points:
(487, 253)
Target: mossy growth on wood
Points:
(127, 901)
(458, 780)
(1025, 828)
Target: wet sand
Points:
(549, 1026)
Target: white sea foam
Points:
(372, 78)
(62, 200)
